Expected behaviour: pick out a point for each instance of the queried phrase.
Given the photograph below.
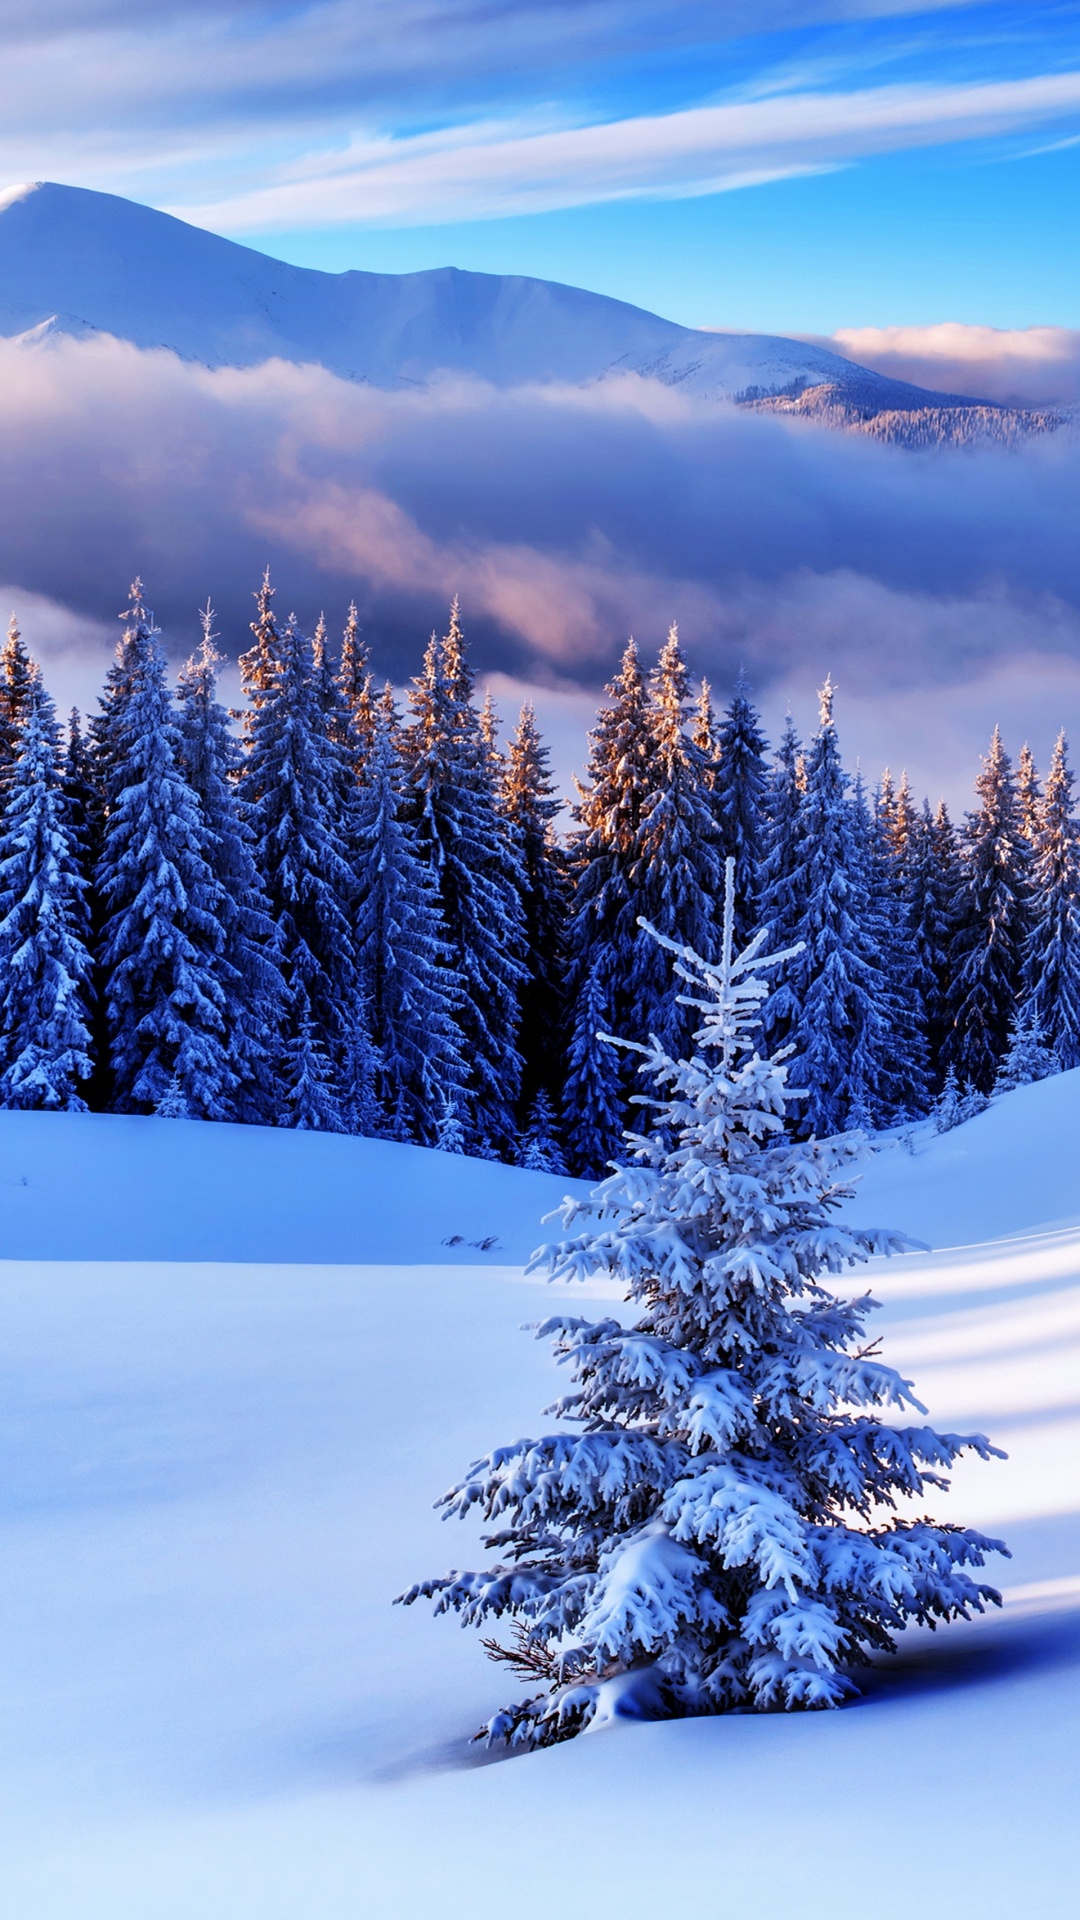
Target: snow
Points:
(238, 1367)
(74, 262)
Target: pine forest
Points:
(326, 912)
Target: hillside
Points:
(73, 262)
(217, 1471)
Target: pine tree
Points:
(932, 881)
(357, 688)
(1028, 795)
(677, 868)
(249, 967)
(531, 805)
(162, 941)
(704, 732)
(603, 930)
(45, 970)
(741, 790)
(842, 1006)
(1051, 975)
(540, 1149)
(313, 1103)
(19, 681)
(290, 789)
(411, 991)
(107, 724)
(898, 1071)
(993, 918)
(721, 1531)
(470, 851)
(782, 879)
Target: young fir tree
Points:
(249, 968)
(842, 1004)
(290, 790)
(602, 931)
(720, 1533)
(470, 850)
(531, 805)
(162, 941)
(782, 879)
(741, 799)
(540, 1149)
(401, 950)
(993, 919)
(45, 970)
(1051, 975)
(677, 871)
(1027, 1056)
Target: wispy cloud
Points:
(209, 102)
(485, 170)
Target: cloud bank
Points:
(1023, 367)
(565, 518)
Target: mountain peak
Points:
(77, 261)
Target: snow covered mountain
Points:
(74, 262)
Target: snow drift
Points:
(217, 1473)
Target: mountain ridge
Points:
(76, 263)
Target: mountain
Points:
(73, 262)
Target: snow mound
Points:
(216, 1475)
(100, 1186)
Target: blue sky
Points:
(788, 165)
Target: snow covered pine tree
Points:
(718, 1535)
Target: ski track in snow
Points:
(217, 1473)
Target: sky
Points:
(900, 180)
(779, 165)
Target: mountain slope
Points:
(77, 262)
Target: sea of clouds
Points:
(940, 589)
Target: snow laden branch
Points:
(716, 1525)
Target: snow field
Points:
(217, 1472)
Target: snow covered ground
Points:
(237, 1368)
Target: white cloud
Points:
(565, 519)
(1025, 366)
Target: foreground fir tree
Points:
(44, 964)
(720, 1533)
